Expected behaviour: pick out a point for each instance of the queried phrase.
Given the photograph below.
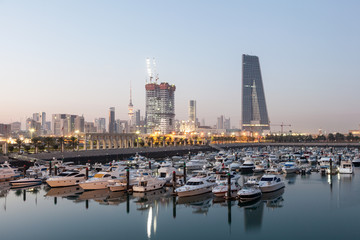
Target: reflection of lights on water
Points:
(149, 222)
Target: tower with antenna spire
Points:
(160, 102)
(131, 109)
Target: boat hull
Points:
(272, 187)
(64, 182)
(195, 192)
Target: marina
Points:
(267, 203)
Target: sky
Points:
(79, 57)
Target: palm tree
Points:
(36, 142)
(73, 141)
(61, 141)
(19, 143)
(48, 141)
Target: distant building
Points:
(32, 125)
(16, 127)
(43, 120)
(80, 124)
(89, 127)
(63, 124)
(100, 124)
(227, 123)
(160, 107)
(36, 117)
(5, 129)
(220, 122)
(112, 126)
(122, 126)
(254, 111)
(131, 110)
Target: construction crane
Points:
(282, 125)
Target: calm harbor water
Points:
(311, 207)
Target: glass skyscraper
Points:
(254, 111)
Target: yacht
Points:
(196, 164)
(222, 188)
(67, 178)
(195, 186)
(248, 193)
(248, 166)
(270, 183)
(120, 184)
(147, 183)
(356, 162)
(166, 173)
(346, 167)
(7, 173)
(290, 167)
(26, 182)
(273, 158)
(100, 180)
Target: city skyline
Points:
(59, 58)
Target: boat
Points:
(67, 178)
(248, 194)
(346, 167)
(166, 173)
(270, 183)
(356, 162)
(100, 180)
(196, 164)
(7, 173)
(222, 188)
(195, 186)
(248, 166)
(290, 167)
(25, 182)
(148, 183)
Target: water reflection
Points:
(199, 203)
(253, 215)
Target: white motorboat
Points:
(248, 166)
(7, 173)
(148, 183)
(270, 183)
(196, 164)
(248, 194)
(100, 180)
(234, 166)
(25, 182)
(67, 178)
(166, 173)
(222, 188)
(120, 183)
(290, 167)
(273, 158)
(346, 167)
(195, 186)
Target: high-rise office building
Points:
(220, 122)
(63, 124)
(254, 111)
(100, 124)
(192, 111)
(160, 107)
(227, 123)
(80, 124)
(43, 120)
(112, 124)
(160, 103)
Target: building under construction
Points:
(160, 104)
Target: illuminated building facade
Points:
(160, 107)
(254, 111)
